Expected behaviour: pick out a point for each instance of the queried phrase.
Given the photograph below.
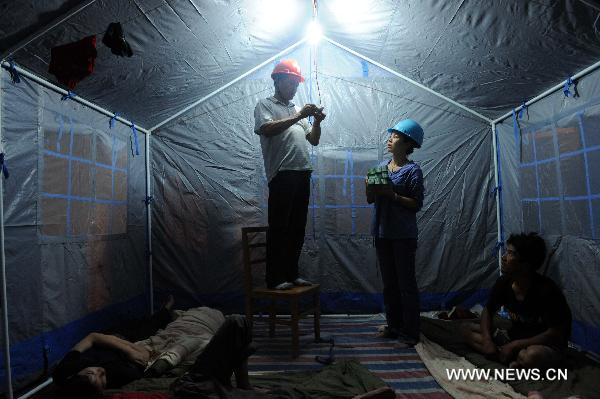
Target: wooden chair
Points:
(253, 241)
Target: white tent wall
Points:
(209, 182)
(559, 199)
(75, 220)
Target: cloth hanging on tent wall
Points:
(72, 62)
(114, 38)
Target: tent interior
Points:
(135, 183)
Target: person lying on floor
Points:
(108, 361)
(539, 314)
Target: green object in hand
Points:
(378, 176)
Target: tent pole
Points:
(497, 181)
(36, 389)
(200, 101)
(409, 80)
(559, 86)
(6, 343)
(149, 224)
(80, 100)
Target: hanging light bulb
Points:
(314, 32)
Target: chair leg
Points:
(317, 317)
(272, 316)
(249, 312)
(295, 329)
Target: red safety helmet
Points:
(287, 67)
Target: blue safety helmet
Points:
(409, 128)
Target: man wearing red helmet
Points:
(284, 133)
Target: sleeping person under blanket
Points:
(109, 361)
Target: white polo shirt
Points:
(285, 151)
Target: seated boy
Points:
(540, 315)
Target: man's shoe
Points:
(302, 282)
(284, 286)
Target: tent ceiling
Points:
(488, 58)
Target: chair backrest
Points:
(254, 244)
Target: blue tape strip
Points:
(135, 140)
(523, 109)
(68, 96)
(588, 186)
(14, 74)
(83, 160)
(567, 86)
(113, 119)
(83, 199)
(3, 165)
(365, 68)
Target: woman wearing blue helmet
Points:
(394, 228)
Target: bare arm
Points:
(487, 344)
(132, 351)
(551, 336)
(315, 134)
(273, 128)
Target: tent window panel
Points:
(312, 220)
(101, 219)
(56, 140)
(56, 171)
(54, 214)
(84, 183)
(104, 150)
(104, 183)
(528, 182)
(119, 219)
(544, 145)
(81, 179)
(121, 152)
(363, 220)
(573, 176)
(120, 186)
(531, 216)
(339, 220)
(594, 172)
(568, 137)
(82, 146)
(577, 218)
(551, 217)
(527, 154)
(81, 216)
(338, 191)
(548, 179)
(591, 127)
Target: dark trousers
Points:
(400, 291)
(210, 376)
(226, 351)
(289, 193)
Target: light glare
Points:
(314, 32)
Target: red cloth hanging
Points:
(72, 62)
